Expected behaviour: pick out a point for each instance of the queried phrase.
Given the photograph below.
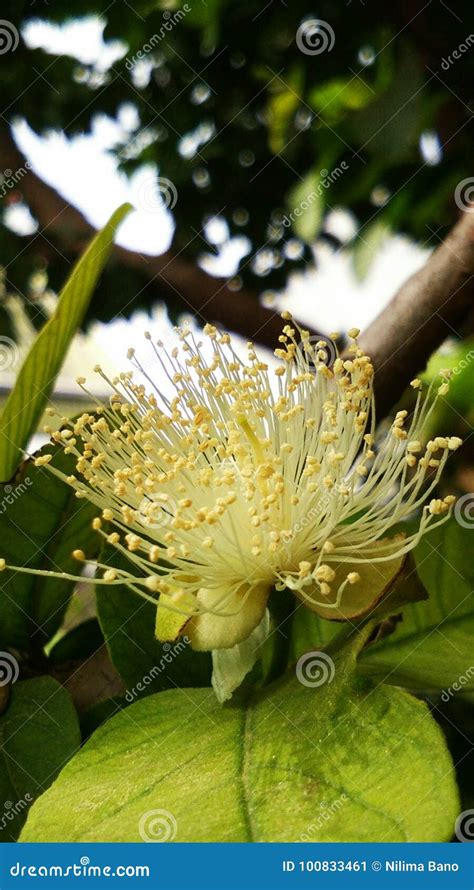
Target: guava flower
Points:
(249, 478)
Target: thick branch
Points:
(209, 298)
(429, 307)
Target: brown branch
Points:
(209, 298)
(429, 307)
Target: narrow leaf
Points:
(36, 378)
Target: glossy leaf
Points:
(371, 758)
(41, 523)
(35, 380)
(145, 664)
(431, 648)
(39, 732)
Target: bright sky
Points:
(85, 173)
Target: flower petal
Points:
(243, 611)
(172, 615)
(357, 598)
(231, 666)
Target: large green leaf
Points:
(345, 761)
(35, 381)
(431, 648)
(146, 666)
(41, 523)
(39, 732)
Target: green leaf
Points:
(367, 246)
(41, 523)
(77, 644)
(371, 759)
(390, 126)
(431, 648)
(284, 101)
(309, 631)
(333, 98)
(146, 665)
(99, 714)
(39, 732)
(306, 206)
(35, 381)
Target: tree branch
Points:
(429, 307)
(209, 298)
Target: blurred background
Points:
(295, 157)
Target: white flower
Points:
(247, 480)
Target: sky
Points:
(329, 298)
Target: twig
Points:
(429, 307)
